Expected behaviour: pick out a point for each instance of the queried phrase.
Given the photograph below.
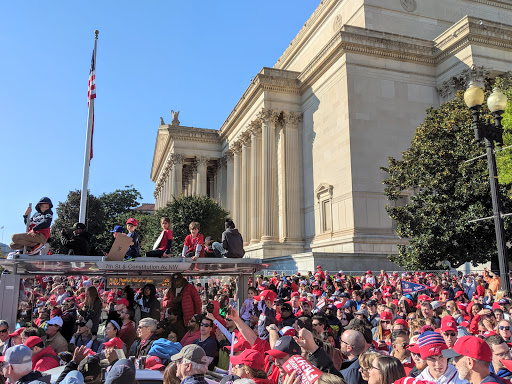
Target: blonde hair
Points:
(194, 225)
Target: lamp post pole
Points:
(488, 134)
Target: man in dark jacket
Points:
(122, 372)
(18, 369)
(232, 243)
(77, 241)
(89, 366)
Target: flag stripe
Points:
(91, 91)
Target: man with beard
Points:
(471, 356)
(184, 297)
(193, 332)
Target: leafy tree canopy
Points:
(446, 191)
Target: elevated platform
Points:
(98, 266)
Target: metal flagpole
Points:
(88, 137)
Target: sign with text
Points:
(307, 372)
(142, 266)
(137, 282)
(409, 288)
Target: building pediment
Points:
(161, 149)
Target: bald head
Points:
(355, 339)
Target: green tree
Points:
(103, 213)
(504, 157)
(184, 210)
(448, 191)
(67, 215)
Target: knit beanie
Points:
(431, 344)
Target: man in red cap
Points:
(449, 330)
(43, 358)
(471, 356)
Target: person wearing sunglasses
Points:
(382, 334)
(4, 336)
(504, 329)
(500, 351)
(449, 330)
(206, 341)
(193, 332)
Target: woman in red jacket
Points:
(183, 296)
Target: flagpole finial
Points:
(96, 32)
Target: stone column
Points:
(244, 225)
(177, 174)
(202, 164)
(235, 212)
(292, 188)
(255, 128)
(268, 179)
(228, 200)
(220, 181)
(193, 180)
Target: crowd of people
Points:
(323, 326)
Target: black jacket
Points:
(77, 244)
(233, 243)
(34, 377)
(323, 362)
(150, 304)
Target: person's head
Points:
(249, 364)
(431, 345)
(191, 360)
(172, 337)
(385, 370)
(352, 343)
(122, 372)
(116, 231)
(84, 327)
(427, 310)
(206, 327)
(319, 324)
(365, 363)
(477, 307)
(306, 307)
(112, 329)
(146, 328)
(194, 323)
(178, 280)
(53, 326)
(149, 290)
(498, 314)
(470, 355)
(194, 228)
(165, 223)
(91, 295)
(504, 329)
(35, 343)
(127, 314)
(500, 351)
(229, 224)
(400, 341)
(449, 330)
(251, 292)
(17, 362)
(91, 370)
(283, 349)
(169, 376)
(132, 224)
(4, 330)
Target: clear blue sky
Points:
(193, 56)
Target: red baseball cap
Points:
(33, 340)
(132, 221)
(318, 267)
(123, 301)
(414, 348)
(295, 294)
(240, 345)
(470, 346)
(401, 322)
(267, 294)
(385, 315)
(448, 323)
(251, 358)
(16, 332)
(458, 294)
(114, 342)
(154, 363)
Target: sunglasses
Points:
(385, 321)
(205, 325)
(4, 331)
(502, 328)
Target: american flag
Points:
(91, 91)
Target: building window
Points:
(324, 197)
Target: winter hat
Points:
(43, 200)
(431, 344)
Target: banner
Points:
(410, 288)
(137, 282)
(307, 372)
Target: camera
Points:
(209, 308)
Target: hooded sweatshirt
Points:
(122, 372)
(233, 243)
(150, 305)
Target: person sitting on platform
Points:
(77, 241)
(194, 243)
(162, 246)
(38, 230)
(232, 243)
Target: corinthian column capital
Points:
(229, 155)
(177, 158)
(255, 128)
(203, 160)
(292, 118)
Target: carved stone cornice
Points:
(236, 147)
(449, 88)
(194, 134)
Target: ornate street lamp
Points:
(488, 134)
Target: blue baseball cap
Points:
(118, 228)
(19, 354)
(350, 303)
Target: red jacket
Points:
(190, 302)
(45, 359)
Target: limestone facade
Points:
(297, 161)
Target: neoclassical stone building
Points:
(297, 161)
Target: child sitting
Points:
(38, 230)
(162, 246)
(194, 243)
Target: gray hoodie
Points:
(233, 243)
